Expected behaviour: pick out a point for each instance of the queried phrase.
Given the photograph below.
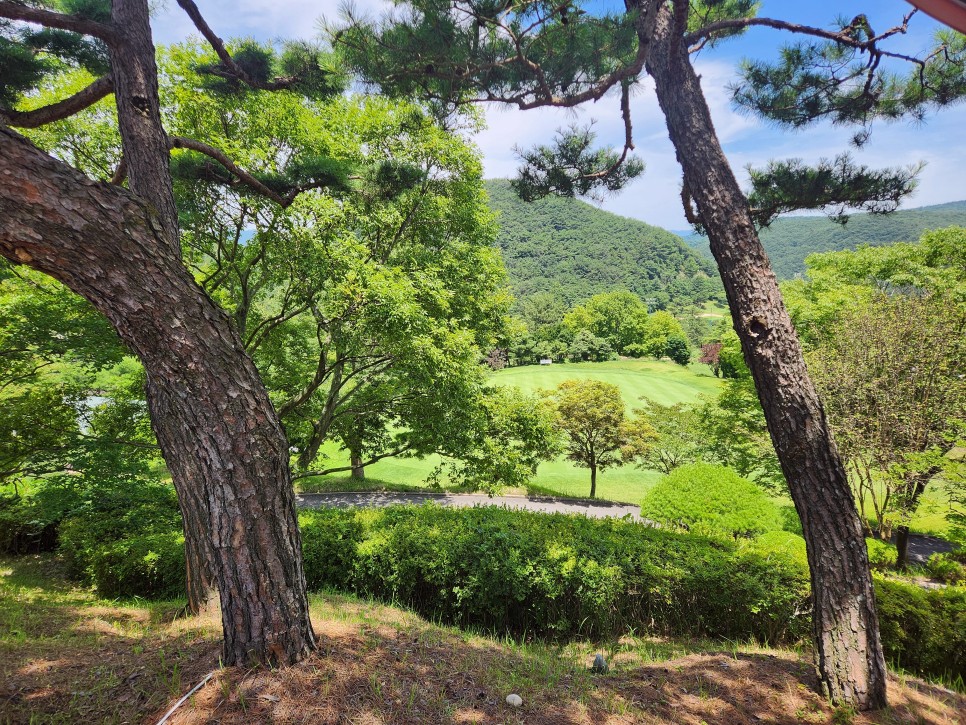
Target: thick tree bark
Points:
(146, 155)
(201, 585)
(217, 428)
(850, 659)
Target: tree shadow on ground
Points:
(87, 660)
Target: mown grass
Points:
(664, 382)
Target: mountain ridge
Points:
(575, 250)
(790, 239)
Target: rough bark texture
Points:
(135, 75)
(216, 426)
(850, 659)
(146, 157)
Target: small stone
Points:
(600, 665)
(514, 699)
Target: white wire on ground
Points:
(184, 699)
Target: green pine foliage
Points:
(789, 240)
(712, 501)
(574, 250)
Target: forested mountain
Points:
(789, 240)
(576, 250)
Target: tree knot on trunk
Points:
(758, 329)
(141, 104)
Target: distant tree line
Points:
(607, 325)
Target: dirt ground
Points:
(66, 657)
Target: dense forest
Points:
(576, 250)
(788, 241)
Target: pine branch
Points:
(84, 98)
(233, 69)
(846, 36)
(284, 200)
(49, 19)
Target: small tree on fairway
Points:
(680, 437)
(599, 433)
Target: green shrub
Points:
(882, 555)
(328, 549)
(923, 630)
(151, 566)
(783, 544)
(107, 511)
(558, 576)
(711, 500)
(945, 568)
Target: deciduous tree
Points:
(598, 430)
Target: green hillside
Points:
(788, 241)
(576, 250)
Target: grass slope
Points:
(788, 241)
(68, 657)
(664, 382)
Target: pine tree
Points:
(536, 53)
(120, 249)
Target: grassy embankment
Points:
(68, 657)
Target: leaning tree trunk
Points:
(850, 659)
(217, 428)
(146, 156)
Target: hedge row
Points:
(555, 575)
(552, 576)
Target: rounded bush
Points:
(711, 500)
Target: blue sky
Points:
(940, 141)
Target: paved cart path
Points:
(920, 547)
(588, 507)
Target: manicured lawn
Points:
(663, 382)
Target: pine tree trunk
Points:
(201, 585)
(135, 74)
(850, 659)
(217, 429)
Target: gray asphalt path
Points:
(376, 499)
(920, 547)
